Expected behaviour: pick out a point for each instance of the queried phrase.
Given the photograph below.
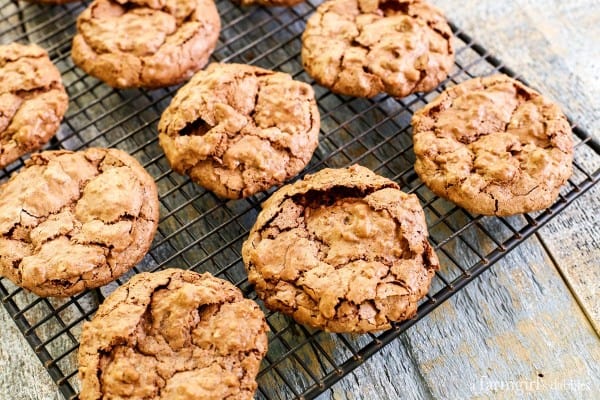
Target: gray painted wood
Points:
(573, 240)
(516, 321)
(22, 376)
(495, 338)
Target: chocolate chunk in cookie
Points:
(173, 334)
(237, 129)
(363, 47)
(75, 220)
(343, 250)
(145, 43)
(493, 146)
(33, 100)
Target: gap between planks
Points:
(567, 281)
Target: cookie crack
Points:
(131, 340)
(496, 204)
(28, 94)
(432, 25)
(197, 127)
(340, 69)
(422, 76)
(252, 114)
(6, 61)
(402, 7)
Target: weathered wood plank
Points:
(516, 332)
(573, 239)
(22, 376)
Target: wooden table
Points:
(529, 327)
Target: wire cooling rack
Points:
(200, 232)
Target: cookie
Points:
(362, 48)
(173, 334)
(343, 250)
(493, 146)
(142, 43)
(33, 100)
(269, 3)
(238, 129)
(75, 220)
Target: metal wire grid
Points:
(201, 232)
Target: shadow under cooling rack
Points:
(201, 232)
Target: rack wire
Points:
(201, 232)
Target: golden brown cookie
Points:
(343, 250)
(493, 146)
(173, 334)
(33, 100)
(75, 220)
(366, 47)
(363, 48)
(238, 129)
(145, 43)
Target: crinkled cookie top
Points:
(33, 100)
(173, 334)
(493, 146)
(145, 43)
(75, 220)
(365, 47)
(343, 250)
(238, 129)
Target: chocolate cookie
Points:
(75, 220)
(493, 146)
(344, 250)
(145, 43)
(237, 129)
(173, 334)
(33, 100)
(365, 47)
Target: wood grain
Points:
(573, 240)
(516, 332)
(22, 376)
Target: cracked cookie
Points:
(173, 334)
(365, 47)
(145, 43)
(493, 146)
(75, 220)
(344, 250)
(238, 129)
(33, 100)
